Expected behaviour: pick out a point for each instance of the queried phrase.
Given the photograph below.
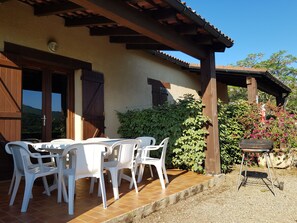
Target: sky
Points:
(255, 26)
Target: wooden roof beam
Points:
(132, 39)
(55, 9)
(163, 14)
(138, 21)
(88, 21)
(147, 47)
(112, 31)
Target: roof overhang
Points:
(139, 24)
(237, 76)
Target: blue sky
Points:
(256, 26)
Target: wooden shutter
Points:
(93, 104)
(10, 111)
(159, 91)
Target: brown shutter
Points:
(159, 91)
(10, 111)
(93, 104)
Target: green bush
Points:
(183, 122)
(231, 131)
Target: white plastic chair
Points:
(159, 163)
(144, 142)
(7, 149)
(86, 160)
(124, 160)
(23, 167)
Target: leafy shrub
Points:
(183, 122)
(231, 131)
(277, 125)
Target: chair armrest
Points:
(38, 155)
(151, 148)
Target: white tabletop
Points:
(59, 146)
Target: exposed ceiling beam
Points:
(127, 16)
(112, 31)
(55, 9)
(163, 14)
(186, 29)
(132, 39)
(87, 21)
(147, 47)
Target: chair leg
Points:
(133, 180)
(165, 173)
(151, 171)
(71, 189)
(64, 190)
(160, 174)
(114, 180)
(15, 189)
(140, 172)
(28, 191)
(136, 171)
(101, 187)
(11, 183)
(45, 184)
(93, 179)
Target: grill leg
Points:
(239, 182)
(269, 164)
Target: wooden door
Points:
(10, 111)
(44, 104)
(93, 104)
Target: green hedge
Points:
(231, 131)
(183, 122)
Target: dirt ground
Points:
(253, 202)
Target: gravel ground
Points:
(254, 202)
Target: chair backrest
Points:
(125, 152)
(164, 144)
(146, 141)
(21, 155)
(87, 158)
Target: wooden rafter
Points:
(54, 9)
(112, 31)
(88, 21)
(129, 17)
(132, 39)
(131, 46)
(163, 14)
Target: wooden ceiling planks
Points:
(162, 21)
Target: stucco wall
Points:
(125, 71)
(222, 90)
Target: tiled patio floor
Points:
(88, 207)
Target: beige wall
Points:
(125, 72)
(222, 90)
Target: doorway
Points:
(44, 105)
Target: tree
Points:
(280, 65)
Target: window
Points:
(159, 91)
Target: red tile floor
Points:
(88, 207)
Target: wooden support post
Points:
(252, 89)
(280, 100)
(209, 99)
